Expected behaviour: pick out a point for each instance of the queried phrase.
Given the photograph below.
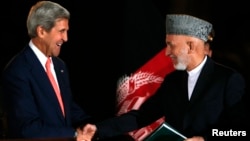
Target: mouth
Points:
(59, 44)
(172, 57)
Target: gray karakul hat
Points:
(188, 25)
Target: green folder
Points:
(165, 133)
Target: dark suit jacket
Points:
(216, 103)
(31, 104)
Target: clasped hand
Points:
(86, 133)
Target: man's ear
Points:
(40, 31)
(191, 46)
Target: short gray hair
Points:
(45, 14)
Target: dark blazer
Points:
(216, 103)
(30, 101)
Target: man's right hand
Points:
(86, 133)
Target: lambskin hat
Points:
(182, 24)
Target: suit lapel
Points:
(41, 79)
(60, 73)
(203, 81)
(199, 92)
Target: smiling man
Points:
(199, 96)
(36, 87)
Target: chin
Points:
(180, 66)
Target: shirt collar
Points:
(41, 57)
(197, 70)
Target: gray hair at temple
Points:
(45, 14)
(188, 25)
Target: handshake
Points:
(86, 133)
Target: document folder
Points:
(165, 133)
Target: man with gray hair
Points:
(36, 86)
(201, 98)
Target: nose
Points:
(65, 37)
